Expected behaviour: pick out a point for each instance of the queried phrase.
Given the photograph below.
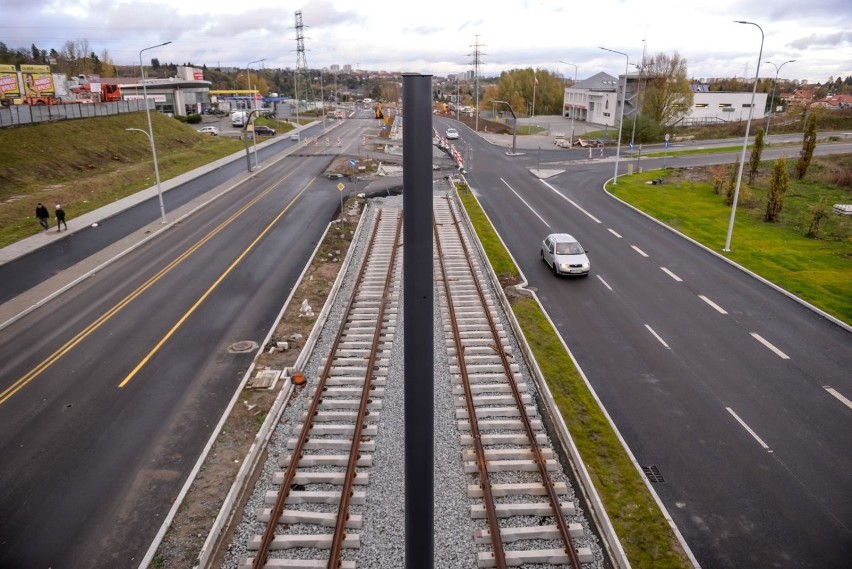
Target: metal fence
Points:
(26, 114)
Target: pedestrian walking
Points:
(60, 218)
(43, 215)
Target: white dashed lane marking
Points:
(671, 274)
(777, 352)
(718, 308)
(747, 428)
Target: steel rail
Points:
(290, 473)
(484, 480)
(538, 457)
(346, 492)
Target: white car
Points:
(452, 134)
(564, 255)
(211, 130)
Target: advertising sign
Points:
(38, 81)
(9, 82)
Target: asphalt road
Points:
(110, 391)
(726, 386)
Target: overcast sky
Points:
(438, 37)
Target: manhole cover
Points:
(242, 347)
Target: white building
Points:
(598, 100)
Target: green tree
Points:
(777, 189)
(808, 145)
(668, 95)
(756, 151)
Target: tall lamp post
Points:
(253, 107)
(621, 117)
(150, 132)
(774, 87)
(745, 140)
(573, 107)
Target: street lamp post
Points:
(150, 132)
(774, 87)
(573, 107)
(621, 117)
(745, 141)
(253, 106)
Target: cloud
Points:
(839, 39)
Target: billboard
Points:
(38, 81)
(9, 86)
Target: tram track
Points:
(502, 496)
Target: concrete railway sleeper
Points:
(348, 396)
(488, 386)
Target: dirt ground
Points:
(189, 529)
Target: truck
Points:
(238, 118)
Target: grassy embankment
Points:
(644, 533)
(818, 270)
(87, 163)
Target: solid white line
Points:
(718, 308)
(525, 203)
(671, 274)
(638, 250)
(747, 428)
(572, 202)
(614, 233)
(651, 330)
(778, 352)
(604, 282)
(838, 396)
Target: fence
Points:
(26, 114)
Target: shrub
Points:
(193, 119)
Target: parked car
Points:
(211, 130)
(564, 255)
(263, 130)
(452, 134)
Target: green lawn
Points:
(817, 270)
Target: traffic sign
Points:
(340, 186)
(352, 163)
(666, 137)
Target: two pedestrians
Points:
(42, 215)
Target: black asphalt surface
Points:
(110, 391)
(673, 371)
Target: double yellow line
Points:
(7, 393)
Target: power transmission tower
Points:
(302, 74)
(477, 54)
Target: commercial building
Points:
(598, 100)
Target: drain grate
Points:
(653, 473)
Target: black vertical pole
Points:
(418, 332)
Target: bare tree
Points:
(668, 94)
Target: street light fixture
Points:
(150, 132)
(573, 107)
(621, 117)
(774, 87)
(745, 140)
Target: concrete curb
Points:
(770, 284)
(255, 453)
(587, 487)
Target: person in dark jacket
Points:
(60, 218)
(43, 215)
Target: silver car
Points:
(564, 255)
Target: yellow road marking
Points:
(83, 334)
(207, 293)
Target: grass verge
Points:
(818, 270)
(646, 537)
(87, 163)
